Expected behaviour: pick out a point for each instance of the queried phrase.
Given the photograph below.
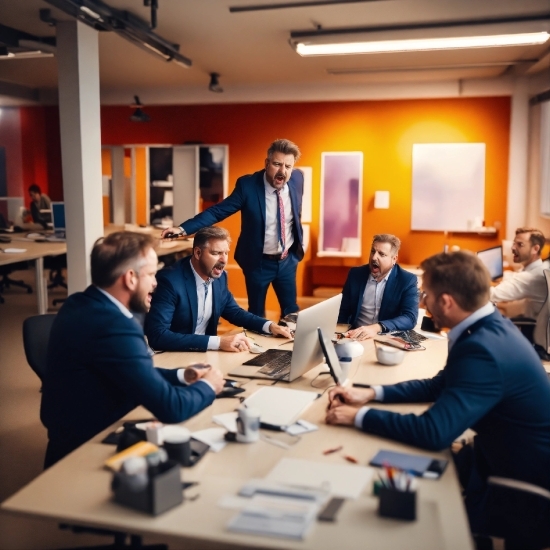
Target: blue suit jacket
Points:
(494, 383)
(99, 369)
(171, 322)
(249, 197)
(399, 308)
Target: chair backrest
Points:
(36, 335)
(541, 334)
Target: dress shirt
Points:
(127, 313)
(271, 238)
(372, 300)
(452, 336)
(205, 310)
(528, 284)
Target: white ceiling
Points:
(251, 50)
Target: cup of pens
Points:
(397, 494)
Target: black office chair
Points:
(36, 335)
(6, 281)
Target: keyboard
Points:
(274, 362)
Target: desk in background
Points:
(37, 251)
(77, 489)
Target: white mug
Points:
(248, 425)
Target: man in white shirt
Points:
(271, 241)
(191, 297)
(529, 284)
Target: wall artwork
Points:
(448, 186)
(341, 200)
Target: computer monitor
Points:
(492, 260)
(58, 218)
(11, 209)
(331, 358)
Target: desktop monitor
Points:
(11, 209)
(492, 260)
(58, 218)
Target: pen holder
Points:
(397, 504)
(162, 491)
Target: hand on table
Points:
(235, 342)
(279, 330)
(171, 232)
(215, 377)
(364, 333)
(340, 396)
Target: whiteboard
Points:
(448, 186)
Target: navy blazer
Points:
(494, 383)
(99, 369)
(171, 322)
(249, 197)
(399, 308)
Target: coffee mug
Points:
(177, 443)
(248, 425)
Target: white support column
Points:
(117, 164)
(78, 66)
(516, 208)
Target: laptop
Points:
(58, 218)
(492, 260)
(287, 365)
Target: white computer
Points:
(287, 365)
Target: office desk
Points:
(37, 251)
(76, 490)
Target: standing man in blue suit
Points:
(191, 297)
(271, 241)
(98, 367)
(493, 383)
(380, 296)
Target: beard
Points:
(139, 304)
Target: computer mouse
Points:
(256, 348)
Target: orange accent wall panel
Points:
(141, 185)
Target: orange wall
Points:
(383, 130)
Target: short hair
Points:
(536, 236)
(284, 146)
(202, 236)
(460, 274)
(116, 253)
(35, 189)
(390, 239)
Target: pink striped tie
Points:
(282, 225)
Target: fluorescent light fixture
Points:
(423, 44)
(90, 12)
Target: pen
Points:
(357, 385)
(272, 427)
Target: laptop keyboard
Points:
(274, 363)
(410, 336)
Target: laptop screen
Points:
(492, 260)
(58, 215)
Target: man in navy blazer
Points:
(379, 296)
(191, 297)
(98, 365)
(267, 252)
(493, 383)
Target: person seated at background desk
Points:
(493, 382)
(379, 296)
(40, 201)
(529, 284)
(191, 297)
(98, 367)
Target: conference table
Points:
(76, 490)
(37, 250)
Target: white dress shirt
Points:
(127, 313)
(271, 237)
(204, 312)
(528, 284)
(452, 336)
(372, 300)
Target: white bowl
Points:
(348, 348)
(388, 355)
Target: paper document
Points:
(340, 480)
(213, 437)
(280, 406)
(15, 250)
(226, 420)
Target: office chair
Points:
(518, 513)
(539, 328)
(6, 281)
(36, 335)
